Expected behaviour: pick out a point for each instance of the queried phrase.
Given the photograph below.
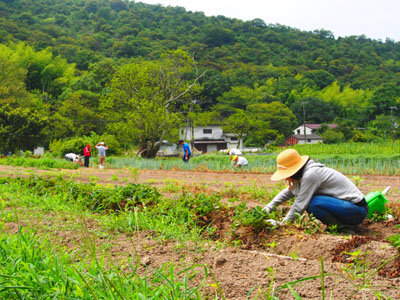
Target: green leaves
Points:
(146, 99)
(254, 217)
(21, 128)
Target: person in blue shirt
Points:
(186, 150)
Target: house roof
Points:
(316, 126)
(210, 142)
(308, 136)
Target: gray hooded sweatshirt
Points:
(316, 180)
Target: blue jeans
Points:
(346, 212)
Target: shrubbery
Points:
(76, 144)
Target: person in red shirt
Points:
(87, 152)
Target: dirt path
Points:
(214, 180)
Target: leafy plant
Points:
(254, 217)
(395, 240)
(309, 224)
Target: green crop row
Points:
(363, 149)
(91, 196)
(348, 164)
(349, 158)
(42, 163)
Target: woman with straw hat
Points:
(326, 193)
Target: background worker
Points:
(101, 147)
(75, 158)
(239, 161)
(186, 150)
(326, 193)
(87, 152)
(233, 152)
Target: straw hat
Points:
(289, 162)
(234, 157)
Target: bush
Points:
(76, 144)
(332, 136)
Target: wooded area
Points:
(129, 73)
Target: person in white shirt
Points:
(232, 153)
(101, 147)
(240, 161)
(75, 158)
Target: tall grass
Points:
(31, 268)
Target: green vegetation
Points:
(348, 158)
(34, 266)
(64, 64)
(395, 240)
(33, 269)
(42, 163)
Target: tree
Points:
(382, 126)
(317, 110)
(146, 99)
(45, 73)
(21, 128)
(276, 114)
(332, 136)
(239, 97)
(320, 78)
(240, 124)
(12, 85)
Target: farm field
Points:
(242, 263)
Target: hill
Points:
(353, 79)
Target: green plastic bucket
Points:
(376, 203)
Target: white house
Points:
(310, 137)
(209, 138)
(310, 128)
(294, 139)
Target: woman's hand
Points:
(290, 182)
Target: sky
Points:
(376, 19)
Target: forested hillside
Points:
(75, 68)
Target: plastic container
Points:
(376, 203)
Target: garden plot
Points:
(244, 263)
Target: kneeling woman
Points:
(329, 195)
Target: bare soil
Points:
(281, 256)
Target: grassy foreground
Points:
(34, 265)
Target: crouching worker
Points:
(75, 158)
(239, 161)
(327, 194)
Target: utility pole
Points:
(391, 115)
(304, 122)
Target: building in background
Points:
(209, 138)
(310, 128)
(309, 137)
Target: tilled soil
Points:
(267, 261)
